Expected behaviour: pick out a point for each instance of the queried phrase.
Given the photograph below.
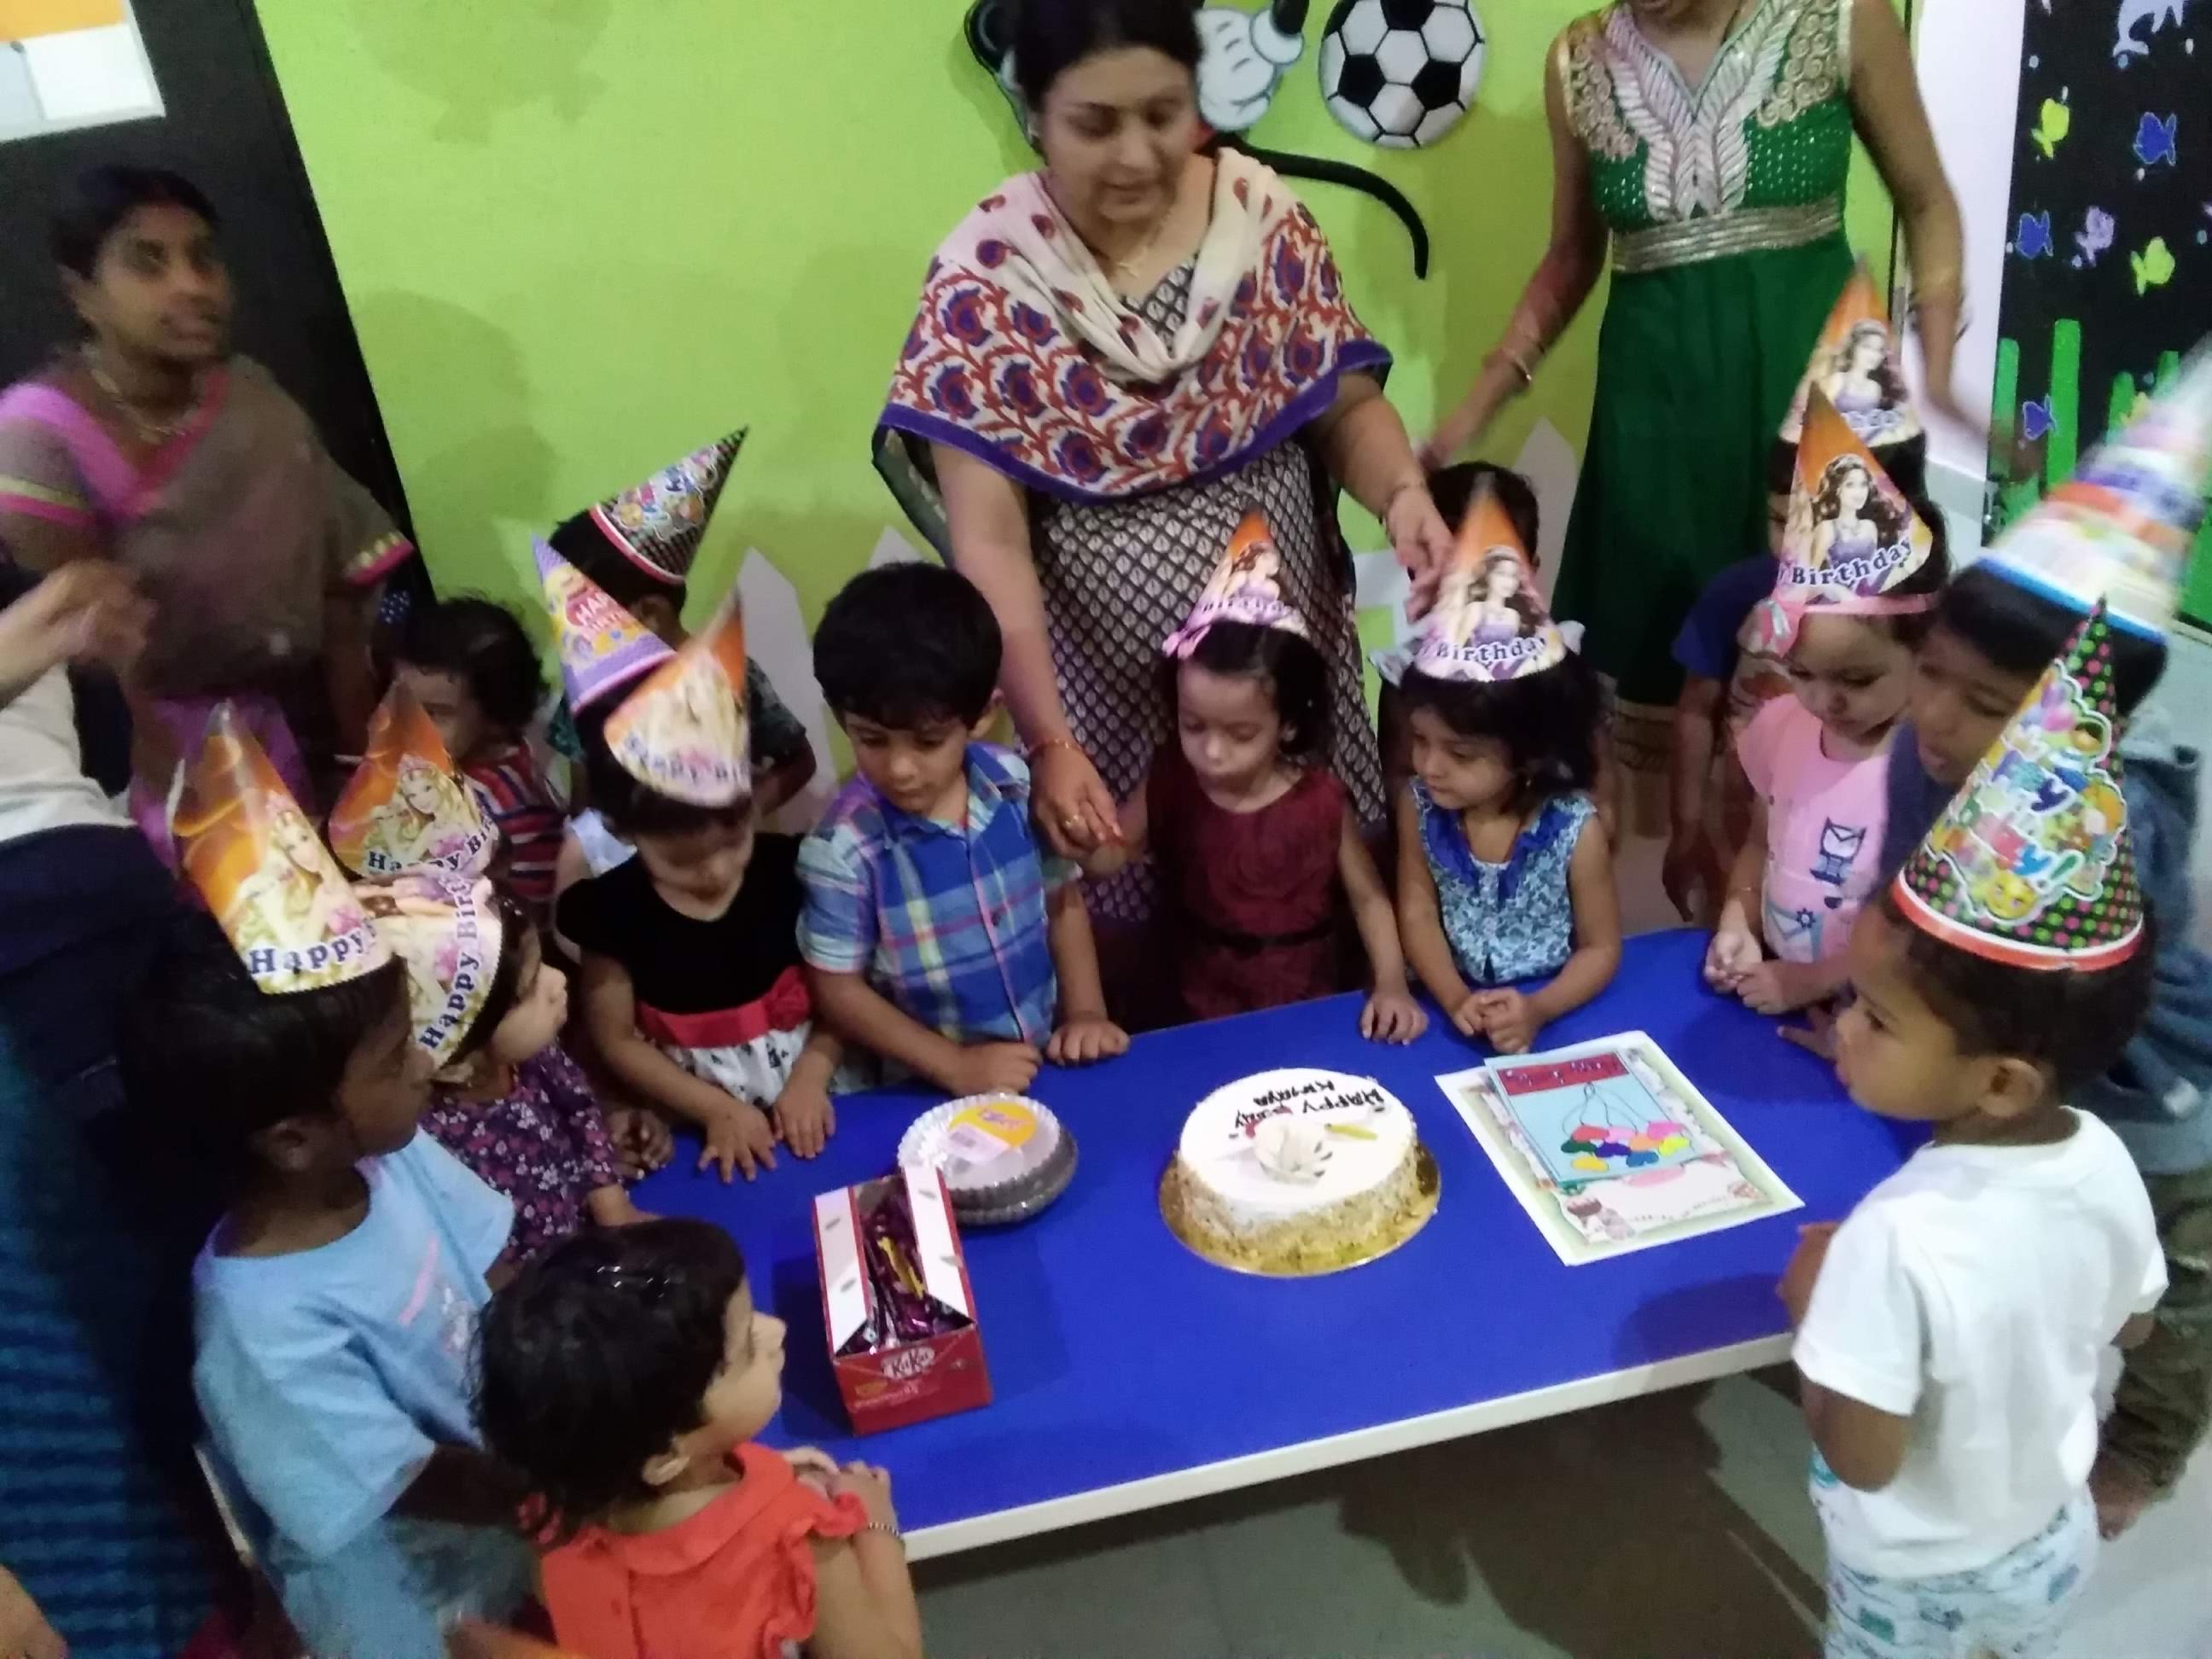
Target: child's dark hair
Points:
(632, 808)
(100, 198)
(209, 1060)
(482, 644)
(1452, 490)
(907, 645)
(1052, 36)
(598, 1355)
(585, 545)
(2074, 1024)
(1548, 721)
(2023, 632)
(1295, 676)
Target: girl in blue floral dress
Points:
(1504, 875)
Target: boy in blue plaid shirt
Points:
(935, 933)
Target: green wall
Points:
(579, 237)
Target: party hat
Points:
(683, 734)
(2121, 528)
(263, 872)
(2031, 863)
(405, 808)
(1488, 622)
(1852, 538)
(658, 525)
(447, 931)
(603, 647)
(1244, 589)
(1856, 364)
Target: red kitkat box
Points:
(899, 1381)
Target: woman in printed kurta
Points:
(1708, 141)
(1116, 358)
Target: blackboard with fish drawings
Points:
(2108, 267)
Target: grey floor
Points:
(1674, 1527)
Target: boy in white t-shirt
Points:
(1949, 1332)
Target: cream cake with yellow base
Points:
(1297, 1172)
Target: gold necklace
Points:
(151, 432)
(1127, 267)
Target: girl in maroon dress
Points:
(1256, 845)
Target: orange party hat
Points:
(1244, 589)
(1857, 365)
(1490, 623)
(405, 808)
(683, 734)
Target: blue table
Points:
(1129, 1374)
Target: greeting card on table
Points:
(1610, 1149)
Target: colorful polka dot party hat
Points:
(2031, 863)
(1488, 622)
(1244, 588)
(1857, 365)
(658, 524)
(603, 647)
(1852, 538)
(446, 930)
(263, 872)
(406, 808)
(2121, 528)
(683, 734)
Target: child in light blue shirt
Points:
(336, 1303)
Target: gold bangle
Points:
(1508, 355)
(1036, 749)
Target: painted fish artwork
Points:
(2153, 267)
(2126, 42)
(2058, 120)
(2035, 419)
(2098, 230)
(2158, 140)
(2032, 240)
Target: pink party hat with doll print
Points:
(1852, 538)
(603, 647)
(2122, 528)
(406, 808)
(2031, 863)
(1244, 588)
(683, 734)
(446, 931)
(1488, 622)
(658, 523)
(1856, 364)
(243, 841)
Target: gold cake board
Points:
(1428, 1187)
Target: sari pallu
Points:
(240, 529)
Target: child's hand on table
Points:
(1392, 1016)
(1777, 988)
(739, 1139)
(1733, 953)
(1803, 1272)
(804, 1119)
(993, 1068)
(1507, 1020)
(610, 1206)
(642, 1142)
(1819, 1037)
(1083, 1038)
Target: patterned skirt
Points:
(1120, 576)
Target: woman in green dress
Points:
(1707, 141)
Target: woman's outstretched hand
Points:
(1074, 807)
(1422, 541)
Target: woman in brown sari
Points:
(149, 444)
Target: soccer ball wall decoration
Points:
(1401, 73)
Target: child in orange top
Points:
(623, 1375)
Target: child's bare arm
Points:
(1391, 1014)
(463, 1485)
(1420, 924)
(1087, 1031)
(738, 1133)
(1689, 776)
(1112, 858)
(1865, 1447)
(864, 1605)
(1596, 955)
(863, 1016)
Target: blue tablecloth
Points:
(1116, 1356)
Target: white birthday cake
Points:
(1296, 1171)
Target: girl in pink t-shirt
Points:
(1817, 762)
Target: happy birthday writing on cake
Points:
(1307, 1098)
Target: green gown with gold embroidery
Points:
(1725, 202)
